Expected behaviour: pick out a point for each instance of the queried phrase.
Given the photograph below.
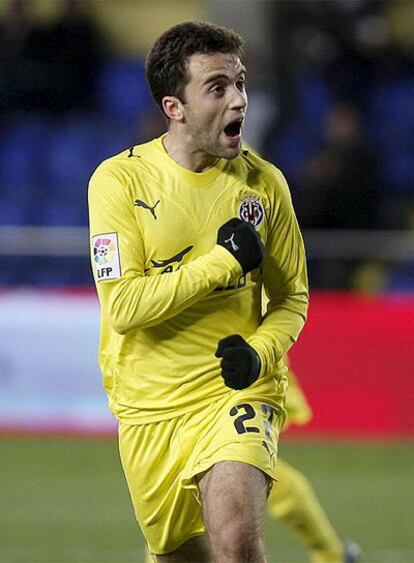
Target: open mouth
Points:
(233, 129)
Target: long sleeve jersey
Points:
(169, 292)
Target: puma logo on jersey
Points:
(151, 209)
(271, 454)
(131, 153)
(177, 258)
(233, 244)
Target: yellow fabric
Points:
(160, 325)
(297, 406)
(160, 460)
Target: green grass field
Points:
(66, 501)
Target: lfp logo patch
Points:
(106, 256)
(251, 210)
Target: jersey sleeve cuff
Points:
(228, 267)
(268, 357)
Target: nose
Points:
(238, 99)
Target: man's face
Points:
(215, 103)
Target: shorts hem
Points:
(188, 480)
(195, 535)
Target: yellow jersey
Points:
(169, 292)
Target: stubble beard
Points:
(218, 150)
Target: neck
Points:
(186, 154)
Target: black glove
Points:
(242, 240)
(240, 366)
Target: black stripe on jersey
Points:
(177, 258)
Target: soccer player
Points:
(293, 501)
(185, 232)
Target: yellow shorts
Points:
(161, 459)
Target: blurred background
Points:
(331, 103)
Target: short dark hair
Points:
(166, 63)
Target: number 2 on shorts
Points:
(248, 414)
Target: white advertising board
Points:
(49, 373)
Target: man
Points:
(185, 232)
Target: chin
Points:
(231, 152)
(234, 153)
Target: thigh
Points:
(153, 459)
(231, 491)
(234, 462)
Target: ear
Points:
(173, 108)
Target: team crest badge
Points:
(251, 210)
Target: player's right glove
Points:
(243, 242)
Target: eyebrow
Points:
(222, 76)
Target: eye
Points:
(241, 84)
(218, 89)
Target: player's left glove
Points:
(240, 364)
